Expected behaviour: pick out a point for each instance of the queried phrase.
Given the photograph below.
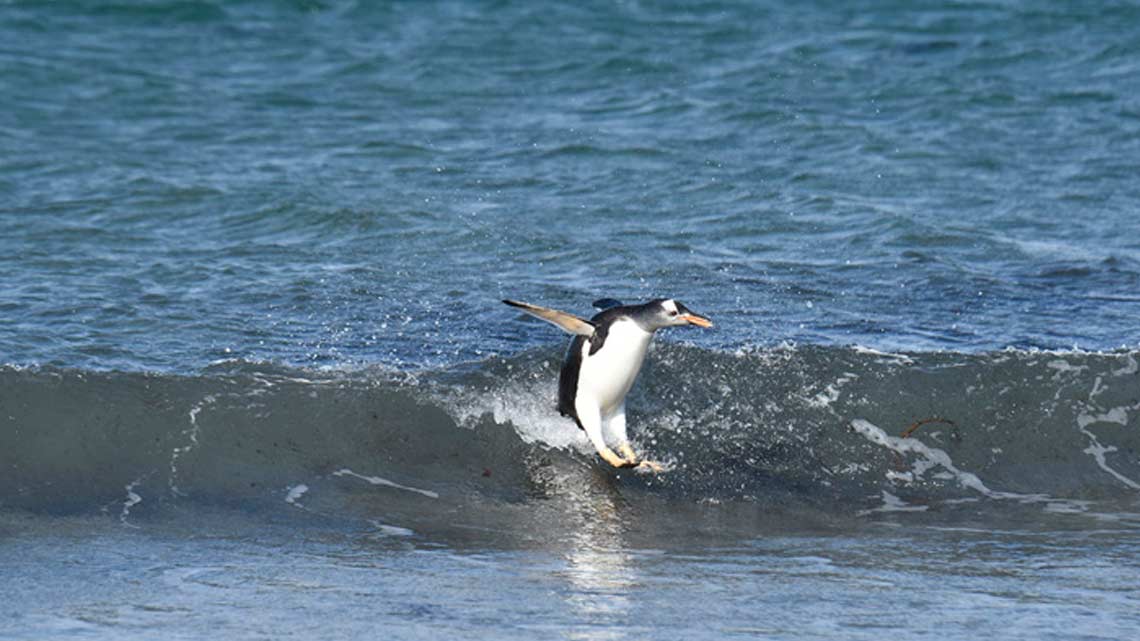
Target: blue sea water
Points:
(255, 376)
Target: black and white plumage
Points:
(603, 361)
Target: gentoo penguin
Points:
(602, 362)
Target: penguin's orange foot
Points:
(615, 460)
(651, 466)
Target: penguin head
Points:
(666, 312)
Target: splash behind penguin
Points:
(603, 361)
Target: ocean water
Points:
(256, 380)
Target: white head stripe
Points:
(669, 305)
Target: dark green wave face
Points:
(809, 435)
(357, 183)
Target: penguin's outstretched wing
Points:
(568, 322)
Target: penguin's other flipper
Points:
(568, 322)
(606, 303)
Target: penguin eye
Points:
(673, 313)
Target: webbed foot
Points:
(651, 466)
(642, 465)
(615, 460)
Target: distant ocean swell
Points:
(817, 426)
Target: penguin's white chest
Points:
(607, 374)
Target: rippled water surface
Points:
(309, 182)
(954, 583)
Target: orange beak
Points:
(699, 321)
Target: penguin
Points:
(603, 361)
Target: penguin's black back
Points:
(568, 380)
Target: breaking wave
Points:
(843, 430)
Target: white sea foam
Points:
(294, 494)
(892, 503)
(831, 393)
(1118, 416)
(391, 530)
(899, 358)
(376, 480)
(191, 433)
(931, 457)
(133, 499)
(527, 405)
(1065, 367)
